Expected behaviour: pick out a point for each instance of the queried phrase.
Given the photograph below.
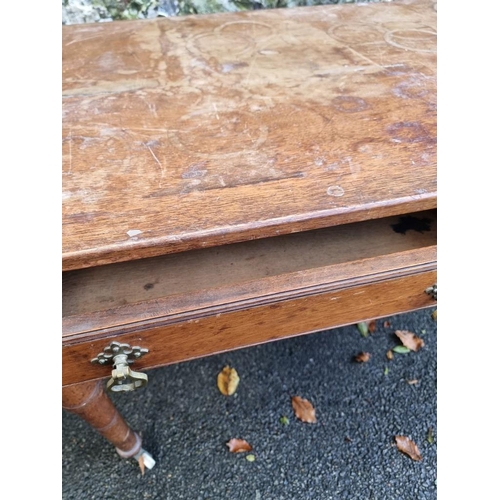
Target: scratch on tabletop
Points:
(162, 170)
(70, 149)
(216, 113)
(250, 70)
(83, 39)
(366, 58)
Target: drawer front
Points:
(227, 331)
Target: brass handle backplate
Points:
(121, 356)
(432, 291)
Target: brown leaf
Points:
(410, 340)
(389, 354)
(227, 381)
(434, 315)
(413, 381)
(362, 357)
(238, 445)
(387, 324)
(141, 464)
(406, 445)
(372, 326)
(304, 410)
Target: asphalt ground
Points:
(349, 453)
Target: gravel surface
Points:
(349, 453)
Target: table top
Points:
(190, 132)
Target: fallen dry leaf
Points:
(304, 410)
(238, 445)
(410, 340)
(141, 464)
(413, 381)
(362, 357)
(372, 326)
(406, 445)
(389, 354)
(434, 315)
(387, 324)
(227, 381)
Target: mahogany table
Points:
(232, 179)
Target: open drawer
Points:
(200, 302)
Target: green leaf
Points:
(284, 420)
(430, 436)
(363, 328)
(401, 349)
(386, 370)
(250, 458)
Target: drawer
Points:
(192, 304)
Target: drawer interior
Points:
(231, 275)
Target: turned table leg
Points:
(90, 402)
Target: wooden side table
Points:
(234, 179)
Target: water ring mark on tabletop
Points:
(416, 40)
(234, 132)
(357, 33)
(335, 191)
(349, 104)
(408, 132)
(231, 40)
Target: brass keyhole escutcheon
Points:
(121, 356)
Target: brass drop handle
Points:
(432, 291)
(121, 356)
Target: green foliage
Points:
(141, 9)
(186, 7)
(401, 349)
(126, 9)
(284, 420)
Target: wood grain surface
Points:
(116, 298)
(196, 131)
(220, 332)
